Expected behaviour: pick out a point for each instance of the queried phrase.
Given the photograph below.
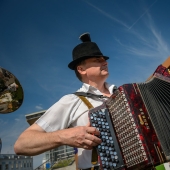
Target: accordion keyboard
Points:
(108, 150)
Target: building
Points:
(52, 156)
(15, 162)
(31, 118)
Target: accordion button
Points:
(110, 164)
(103, 126)
(103, 163)
(107, 141)
(115, 153)
(110, 138)
(114, 164)
(91, 117)
(101, 154)
(93, 125)
(102, 133)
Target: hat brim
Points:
(72, 65)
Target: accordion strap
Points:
(94, 158)
(88, 94)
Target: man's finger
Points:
(93, 140)
(93, 130)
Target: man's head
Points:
(84, 53)
(92, 69)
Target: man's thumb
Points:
(88, 124)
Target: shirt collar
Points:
(90, 89)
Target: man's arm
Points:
(35, 140)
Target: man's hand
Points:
(81, 137)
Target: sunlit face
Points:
(96, 67)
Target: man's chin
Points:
(106, 74)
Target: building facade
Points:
(15, 162)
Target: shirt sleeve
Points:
(61, 114)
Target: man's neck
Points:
(101, 87)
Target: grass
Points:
(63, 163)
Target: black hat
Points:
(85, 50)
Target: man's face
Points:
(96, 67)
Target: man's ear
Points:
(81, 69)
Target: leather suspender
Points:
(94, 158)
(88, 104)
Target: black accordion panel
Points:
(135, 125)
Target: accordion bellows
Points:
(135, 124)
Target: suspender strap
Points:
(88, 104)
(94, 158)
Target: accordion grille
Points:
(126, 130)
(154, 92)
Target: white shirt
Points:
(70, 111)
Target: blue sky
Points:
(37, 38)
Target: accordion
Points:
(134, 124)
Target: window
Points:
(47, 156)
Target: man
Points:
(67, 122)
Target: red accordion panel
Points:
(137, 139)
(135, 133)
(163, 71)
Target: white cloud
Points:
(148, 43)
(142, 15)
(39, 107)
(108, 15)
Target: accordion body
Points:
(137, 119)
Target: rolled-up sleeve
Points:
(61, 114)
